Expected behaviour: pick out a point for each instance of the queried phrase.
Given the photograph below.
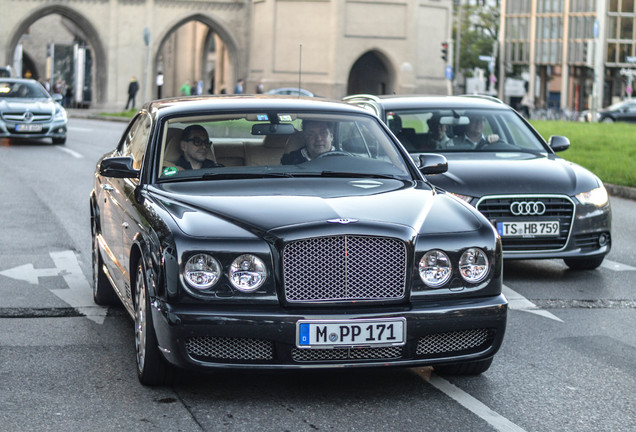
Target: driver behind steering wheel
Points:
(318, 138)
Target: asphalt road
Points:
(568, 362)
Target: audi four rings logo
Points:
(527, 208)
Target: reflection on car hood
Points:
(38, 105)
(266, 205)
(479, 174)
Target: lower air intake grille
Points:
(452, 341)
(229, 349)
(309, 355)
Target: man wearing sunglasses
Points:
(195, 147)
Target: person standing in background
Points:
(133, 88)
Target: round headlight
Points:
(247, 273)
(435, 268)
(473, 265)
(202, 271)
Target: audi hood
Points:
(480, 174)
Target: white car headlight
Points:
(598, 197)
(435, 268)
(473, 265)
(247, 273)
(202, 271)
(60, 113)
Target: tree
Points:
(479, 32)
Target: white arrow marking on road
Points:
(518, 302)
(79, 294)
(613, 265)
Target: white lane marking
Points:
(73, 153)
(79, 294)
(81, 129)
(518, 302)
(613, 265)
(494, 419)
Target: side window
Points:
(136, 140)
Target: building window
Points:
(627, 6)
(627, 28)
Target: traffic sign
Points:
(449, 72)
(485, 58)
(630, 59)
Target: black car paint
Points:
(161, 224)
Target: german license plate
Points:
(528, 229)
(351, 333)
(28, 128)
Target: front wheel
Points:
(152, 369)
(466, 368)
(103, 292)
(589, 263)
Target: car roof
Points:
(204, 103)
(391, 102)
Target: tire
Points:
(152, 369)
(59, 141)
(466, 368)
(607, 120)
(589, 263)
(103, 292)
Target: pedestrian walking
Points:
(133, 88)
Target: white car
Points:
(27, 111)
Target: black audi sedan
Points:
(289, 233)
(543, 206)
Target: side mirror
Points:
(57, 97)
(559, 143)
(432, 163)
(118, 167)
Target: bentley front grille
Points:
(207, 348)
(452, 342)
(534, 209)
(344, 268)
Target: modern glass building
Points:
(576, 54)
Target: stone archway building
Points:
(330, 46)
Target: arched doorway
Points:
(63, 45)
(371, 74)
(198, 52)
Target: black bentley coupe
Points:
(288, 233)
(543, 206)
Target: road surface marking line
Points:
(613, 265)
(518, 302)
(494, 419)
(73, 153)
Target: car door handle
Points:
(108, 187)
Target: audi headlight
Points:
(435, 268)
(473, 265)
(597, 197)
(247, 273)
(202, 271)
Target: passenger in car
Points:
(473, 137)
(318, 138)
(196, 148)
(436, 137)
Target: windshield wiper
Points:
(358, 175)
(226, 176)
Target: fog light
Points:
(604, 239)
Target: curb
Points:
(621, 191)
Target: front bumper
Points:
(55, 129)
(196, 337)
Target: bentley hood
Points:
(267, 205)
(477, 174)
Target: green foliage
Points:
(608, 150)
(479, 29)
